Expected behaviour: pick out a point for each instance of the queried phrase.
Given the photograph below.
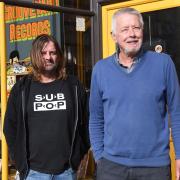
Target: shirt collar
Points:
(135, 60)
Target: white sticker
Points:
(158, 48)
(80, 24)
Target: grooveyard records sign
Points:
(25, 24)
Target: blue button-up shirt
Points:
(135, 61)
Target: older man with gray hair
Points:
(130, 93)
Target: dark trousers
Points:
(108, 170)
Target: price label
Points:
(80, 24)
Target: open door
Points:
(161, 33)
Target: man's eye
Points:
(137, 28)
(124, 30)
(43, 53)
(53, 53)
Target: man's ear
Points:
(114, 37)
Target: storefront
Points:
(83, 30)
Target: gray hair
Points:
(125, 11)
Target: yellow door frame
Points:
(108, 45)
(4, 151)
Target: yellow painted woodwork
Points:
(109, 45)
(172, 156)
(3, 90)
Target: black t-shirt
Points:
(50, 126)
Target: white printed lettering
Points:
(60, 96)
(47, 106)
(38, 98)
(49, 98)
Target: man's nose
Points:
(47, 56)
(131, 32)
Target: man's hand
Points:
(178, 169)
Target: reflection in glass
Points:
(162, 33)
(77, 48)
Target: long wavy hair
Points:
(36, 57)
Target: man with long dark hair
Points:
(45, 122)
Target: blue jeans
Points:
(66, 175)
